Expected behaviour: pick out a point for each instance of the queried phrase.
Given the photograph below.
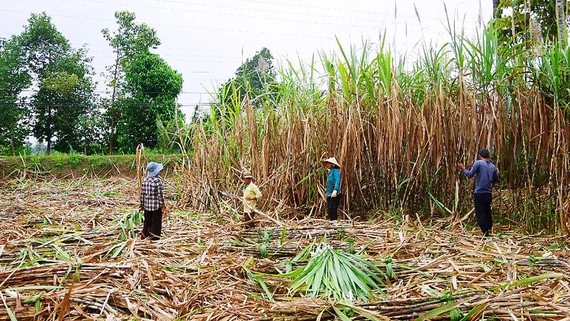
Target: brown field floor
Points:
(69, 250)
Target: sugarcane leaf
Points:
(340, 314)
(439, 311)
(476, 312)
(529, 280)
(369, 315)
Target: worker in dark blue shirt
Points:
(486, 175)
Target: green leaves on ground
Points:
(335, 275)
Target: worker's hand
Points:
(164, 211)
(460, 166)
(141, 208)
(333, 194)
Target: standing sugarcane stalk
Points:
(139, 153)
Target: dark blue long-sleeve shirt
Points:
(485, 174)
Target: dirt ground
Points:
(69, 250)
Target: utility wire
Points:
(188, 27)
(295, 6)
(407, 24)
(309, 19)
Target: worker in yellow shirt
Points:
(251, 194)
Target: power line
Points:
(407, 24)
(233, 14)
(184, 26)
(188, 27)
(293, 6)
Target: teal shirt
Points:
(333, 181)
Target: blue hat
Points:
(484, 153)
(153, 168)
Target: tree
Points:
(255, 80)
(495, 7)
(65, 100)
(514, 19)
(153, 86)
(128, 40)
(561, 22)
(13, 80)
(63, 78)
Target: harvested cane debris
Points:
(70, 249)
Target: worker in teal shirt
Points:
(333, 186)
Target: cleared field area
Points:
(69, 250)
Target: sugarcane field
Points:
(71, 249)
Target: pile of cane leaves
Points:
(335, 274)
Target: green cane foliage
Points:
(457, 43)
(476, 312)
(436, 64)
(257, 278)
(383, 62)
(495, 67)
(441, 310)
(129, 224)
(529, 280)
(36, 300)
(347, 312)
(337, 275)
(554, 74)
(328, 274)
(389, 268)
(347, 72)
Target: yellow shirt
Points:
(252, 192)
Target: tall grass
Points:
(398, 131)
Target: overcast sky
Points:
(207, 40)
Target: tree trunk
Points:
(48, 133)
(12, 145)
(112, 111)
(495, 8)
(561, 22)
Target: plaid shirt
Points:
(152, 197)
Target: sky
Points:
(207, 40)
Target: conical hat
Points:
(331, 160)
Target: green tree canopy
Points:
(62, 79)
(255, 80)
(153, 87)
(14, 78)
(518, 21)
(128, 40)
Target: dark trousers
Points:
(248, 218)
(332, 206)
(483, 211)
(152, 225)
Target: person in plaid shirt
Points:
(152, 202)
